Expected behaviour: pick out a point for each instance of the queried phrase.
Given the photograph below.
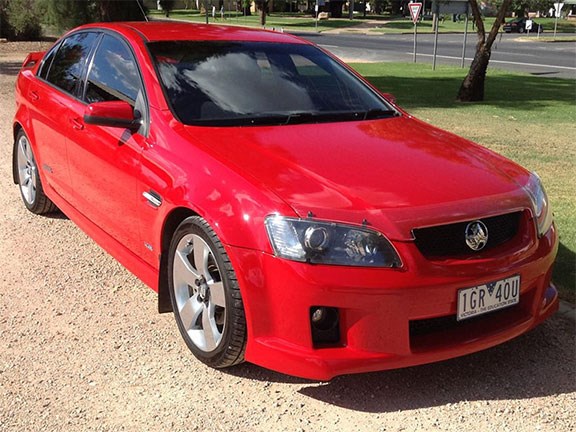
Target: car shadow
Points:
(538, 364)
(253, 372)
(10, 68)
(564, 275)
(56, 215)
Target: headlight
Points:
(329, 243)
(540, 204)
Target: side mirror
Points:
(390, 97)
(118, 114)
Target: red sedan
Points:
(287, 212)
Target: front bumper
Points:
(388, 318)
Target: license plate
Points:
(482, 299)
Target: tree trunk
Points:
(472, 88)
(263, 12)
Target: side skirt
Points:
(132, 262)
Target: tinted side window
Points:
(68, 64)
(113, 74)
(43, 71)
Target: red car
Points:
(287, 212)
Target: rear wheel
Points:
(28, 177)
(205, 295)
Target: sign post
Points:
(415, 9)
(465, 38)
(450, 7)
(557, 10)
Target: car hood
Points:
(396, 174)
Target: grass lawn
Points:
(549, 39)
(301, 22)
(405, 25)
(528, 119)
(292, 22)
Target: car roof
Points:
(179, 31)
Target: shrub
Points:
(20, 20)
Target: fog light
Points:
(549, 295)
(325, 325)
(318, 315)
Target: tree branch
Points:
(480, 30)
(498, 22)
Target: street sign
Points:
(558, 8)
(449, 7)
(528, 24)
(415, 9)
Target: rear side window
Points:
(68, 64)
(113, 75)
(45, 67)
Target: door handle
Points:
(34, 96)
(77, 124)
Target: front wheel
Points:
(26, 172)
(205, 295)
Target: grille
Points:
(449, 240)
(446, 331)
(437, 332)
(446, 323)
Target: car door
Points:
(104, 162)
(51, 97)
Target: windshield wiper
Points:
(323, 117)
(295, 118)
(378, 113)
(335, 116)
(268, 120)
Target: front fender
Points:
(187, 174)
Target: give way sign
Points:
(415, 9)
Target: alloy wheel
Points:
(199, 292)
(27, 170)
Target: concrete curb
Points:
(567, 310)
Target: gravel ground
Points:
(84, 349)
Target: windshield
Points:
(253, 83)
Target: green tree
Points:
(521, 7)
(167, 6)
(20, 19)
(114, 10)
(472, 88)
(246, 5)
(3, 19)
(67, 14)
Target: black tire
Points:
(205, 296)
(520, 29)
(26, 175)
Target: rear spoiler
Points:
(32, 59)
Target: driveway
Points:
(82, 348)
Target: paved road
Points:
(538, 58)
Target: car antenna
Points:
(142, 9)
